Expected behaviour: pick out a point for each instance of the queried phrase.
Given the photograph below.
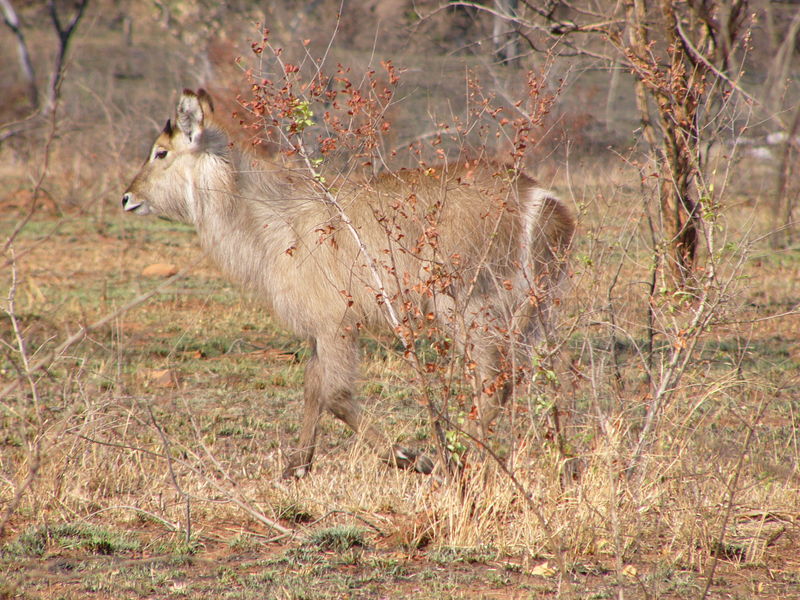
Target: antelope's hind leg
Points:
(503, 370)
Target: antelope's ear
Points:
(205, 101)
(190, 115)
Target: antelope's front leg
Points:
(329, 380)
(302, 456)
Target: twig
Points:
(698, 56)
(49, 358)
(35, 452)
(682, 352)
(37, 187)
(330, 199)
(155, 517)
(64, 37)
(283, 531)
(732, 489)
(173, 476)
(11, 20)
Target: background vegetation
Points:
(144, 412)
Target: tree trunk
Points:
(784, 201)
(12, 21)
(505, 39)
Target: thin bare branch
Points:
(50, 357)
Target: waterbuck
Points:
(473, 251)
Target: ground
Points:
(194, 362)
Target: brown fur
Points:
(494, 243)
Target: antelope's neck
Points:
(227, 229)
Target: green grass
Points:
(338, 538)
(450, 555)
(38, 541)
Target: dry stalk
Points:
(35, 452)
(212, 481)
(783, 200)
(168, 454)
(150, 515)
(682, 352)
(35, 449)
(51, 134)
(51, 357)
(732, 486)
(241, 502)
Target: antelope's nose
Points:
(128, 202)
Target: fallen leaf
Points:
(543, 570)
(160, 270)
(160, 378)
(630, 571)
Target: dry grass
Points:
(117, 447)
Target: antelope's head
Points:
(180, 162)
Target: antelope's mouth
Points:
(130, 204)
(131, 207)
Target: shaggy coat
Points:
(475, 250)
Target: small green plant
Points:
(31, 542)
(455, 443)
(338, 538)
(295, 512)
(243, 543)
(481, 554)
(302, 116)
(8, 591)
(227, 576)
(88, 538)
(498, 578)
(179, 550)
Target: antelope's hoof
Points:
(296, 471)
(423, 465)
(403, 458)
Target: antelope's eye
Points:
(161, 153)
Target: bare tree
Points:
(64, 36)
(11, 20)
(683, 58)
(786, 193)
(505, 39)
(64, 31)
(681, 54)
